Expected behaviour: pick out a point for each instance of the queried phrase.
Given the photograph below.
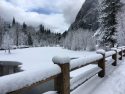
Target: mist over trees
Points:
(14, 35)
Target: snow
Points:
(40, 57)
(109, 61)
(123, 48)
(84, 60)
(83, 77)
(51, 92)
(113, 48)
(120, 47)
(61, 60)
(119, 56)
(109, 53)
(100, 51)
(36, 63)
(19, 80)
(116, 49)
(112, 83)
(84, 69)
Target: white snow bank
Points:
(113, 48)
(100, 51)
(120, 47)
(123, 48)
(83, 77)
(109, 61)
(109, 53)
(118, 50)
(118, 56)
(17, 81)
(51, 92)
(60, 60)
(85, 60)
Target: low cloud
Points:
(62, 12)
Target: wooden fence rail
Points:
(62, 80)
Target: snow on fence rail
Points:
(63, 83)
(77, 81)
(23, 80)
(80, 62)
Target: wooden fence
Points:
(62, 81)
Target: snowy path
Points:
(112, 83)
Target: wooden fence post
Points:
(115, 58)
(101, 64)
(124, 52)
(62, 81)
(121, 54)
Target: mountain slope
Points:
(87, 17)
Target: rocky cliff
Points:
(87, 17)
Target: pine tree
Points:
(30, 42)
(24, 25)
(2, 26)
(24, 28)
(108, 21)
(17, 29)
(13, 22)
(7, 41)
(41, 28)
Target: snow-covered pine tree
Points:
(30, 42)
(1, 30)
(7, 41)
(108, 22)
(79, 40)
(13, 22)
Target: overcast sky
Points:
(54, 14)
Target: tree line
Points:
(16, 34)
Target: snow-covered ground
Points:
(37, 65)
(40, 57)
(36, 60)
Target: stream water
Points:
(48, 86)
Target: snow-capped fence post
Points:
(114, 57)
(101, 63)
(62, 81)
(121, 54)
(124, 52)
